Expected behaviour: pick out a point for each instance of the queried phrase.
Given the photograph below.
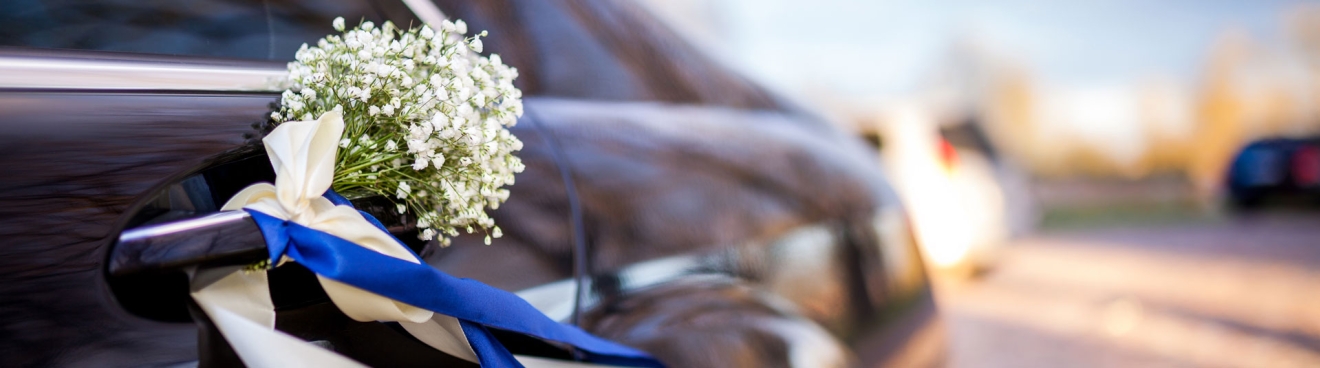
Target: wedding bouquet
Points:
(417, 116)
(425, 116)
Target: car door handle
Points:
(226, 237)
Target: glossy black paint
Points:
(76, 165)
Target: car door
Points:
(119, 116)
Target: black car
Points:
(1284, 171)
(668, 204)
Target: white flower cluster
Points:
(426, 120)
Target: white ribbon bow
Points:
(303, 156)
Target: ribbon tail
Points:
(489, 350)
(427, 288)
(449, 335)
(444, 333)
(239, 305)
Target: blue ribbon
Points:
(477, 306)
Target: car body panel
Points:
(685, 194)
(693, 183)
(75, 163)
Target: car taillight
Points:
(948, 155)
(1306, 166)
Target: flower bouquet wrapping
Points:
(417, 116)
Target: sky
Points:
(888, 47)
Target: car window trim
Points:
(62, 70)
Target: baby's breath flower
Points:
(404, 190)
(475, 45)
(438, 112)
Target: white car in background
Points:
(964, 201)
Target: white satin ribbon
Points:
(238, 302)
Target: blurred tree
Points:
(1220, 112)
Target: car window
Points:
(244, 29)
(606, 51)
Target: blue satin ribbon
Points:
(477, 306)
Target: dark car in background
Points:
(1275, 171)
(668, 203)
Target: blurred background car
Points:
(1275, 171)
(668, 203)
(965, 200)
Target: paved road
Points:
(1223, 293)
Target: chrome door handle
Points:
(222, 237)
